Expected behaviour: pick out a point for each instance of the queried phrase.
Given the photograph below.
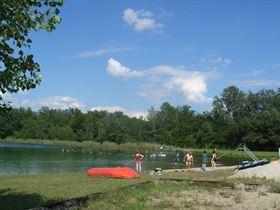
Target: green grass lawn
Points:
(29, 191)
(26, 191)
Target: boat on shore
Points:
(113, 172)
(253, 164)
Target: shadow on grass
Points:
(9, 200)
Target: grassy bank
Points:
(178, 195)
(142, 146)
(129, 146)
(27, 191)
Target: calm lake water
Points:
(47, 159)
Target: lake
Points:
(48, 159)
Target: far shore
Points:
(143, 147)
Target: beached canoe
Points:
(254, 164)
(116, 172)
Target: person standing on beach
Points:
(189, 160)
(204, 160)
(214, 159)
(138, 160)
(176, 159)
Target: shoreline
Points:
(198, 169)
(136, 146)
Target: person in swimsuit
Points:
(204, 160)
(214, 159)
(138, 159)
(189, 160)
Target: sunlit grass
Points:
(28, 191)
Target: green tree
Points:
(18, 69)
(6, 124)
(231, 103)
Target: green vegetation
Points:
(27, 191)
(236, 117)
(96, 146)
(18, 70)
(139, 198)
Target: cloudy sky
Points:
(131, 55)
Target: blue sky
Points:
(131, 55)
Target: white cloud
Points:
(214, 61)
(193, 87)
(141, 20)
(112, 109)
(164, 13)
(251, 74)
(66, 102)
(137, 114)
(5, 97)
(116, 69)
(161, 81)
(53, 102)
(276, 66)
(258, 83)
(103, 51)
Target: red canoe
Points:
(122, 173)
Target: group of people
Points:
(188, 159)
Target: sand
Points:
(212, 199)
(269, 171)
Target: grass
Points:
(148, 197)
(128, 146)
(17, 191)
(180, 195)
(29, 191)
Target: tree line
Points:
(236, 117)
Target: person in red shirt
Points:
(138, 159)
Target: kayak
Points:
(254, 164)
(114, 172)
